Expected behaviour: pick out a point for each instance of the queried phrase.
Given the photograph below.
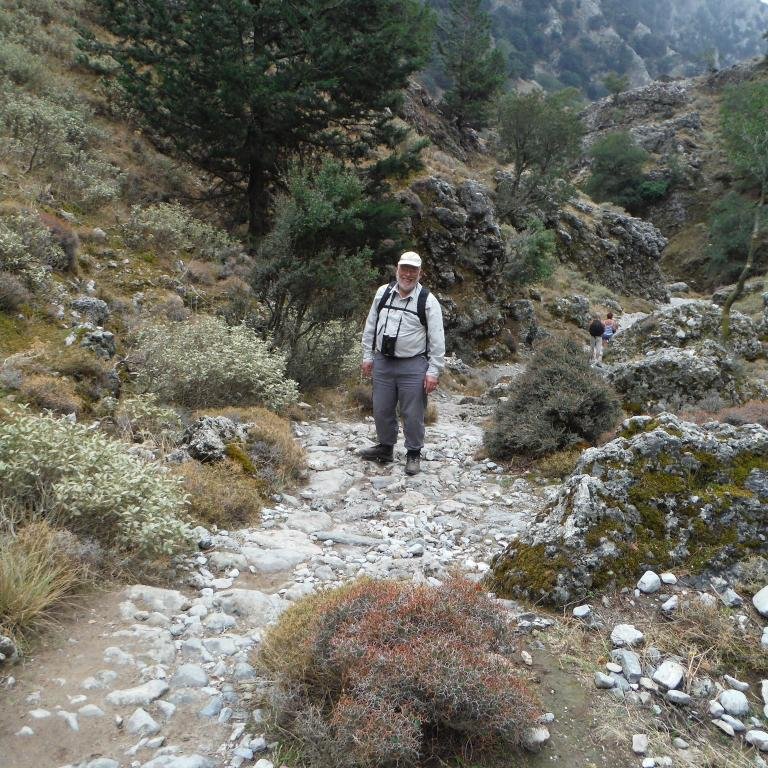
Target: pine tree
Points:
(477, 70)
(238, 87)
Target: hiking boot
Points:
(413, 463)
(380, 453)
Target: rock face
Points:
(613, 248)
(676, 357)
(655, 100)
(456, 228)
(665, 493)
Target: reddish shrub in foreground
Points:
(387, 674)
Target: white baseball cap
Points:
(410, 259)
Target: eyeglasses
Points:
(408, 270)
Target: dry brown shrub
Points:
(431, 414)
(13, 293)
(273, 448)
(51, 393)
(220, 494)
(80, 364)
(361, 396)
(751, 412)
(272, 454)
(202, 272)
(381, 673)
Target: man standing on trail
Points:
(404, 349)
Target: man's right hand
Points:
(367, 368)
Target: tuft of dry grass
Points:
(361, 397)
(36, 578)
(710, 639)
(558, 465)
(273, 448)
(221, 494)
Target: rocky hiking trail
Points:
(162, 677)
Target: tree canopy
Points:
(539, 134)
(240, 86)
(476, 69)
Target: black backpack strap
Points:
(382, 303)
(421, 306)
(421, 311)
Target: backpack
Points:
(596, 328)
(421, 310)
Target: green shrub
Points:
(325, 357)
(28, 249)
(20, 66)
(384, 674)
(730, 229)
(81, 479)
(42, 133)
(142, 417)
(89, 181)
(617, 170)
(558, 402)
(530, 254)
(204, 362)
(171, 227)
(315, 266)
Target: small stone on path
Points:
(639, 743)
(734, 702)
(649, 583)
(626, 635)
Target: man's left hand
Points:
(430, 383)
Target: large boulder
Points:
(685, 326)
(651, 102)
(665, 494)
(612, 248)
(676, 357)
(672, 378)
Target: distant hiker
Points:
(596, 330)
(610, 326)
(404, 349)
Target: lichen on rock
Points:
(666, 493)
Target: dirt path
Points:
(154, 678)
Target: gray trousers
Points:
(400, 381)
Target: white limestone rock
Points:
(649, 583)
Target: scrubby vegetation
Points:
(38, 573)
(171, 227)
(387, 674)
(204, 362)
(557, 403)
(78, 478)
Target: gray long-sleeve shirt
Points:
(412, 336)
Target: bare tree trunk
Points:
(739, 287)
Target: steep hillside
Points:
(577, 42)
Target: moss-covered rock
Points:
(665, 494)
